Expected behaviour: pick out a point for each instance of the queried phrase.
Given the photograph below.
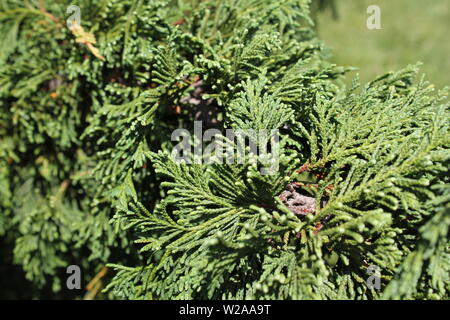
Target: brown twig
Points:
(96, 284)
(46, 13)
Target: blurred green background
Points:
(412, 31)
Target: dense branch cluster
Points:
(87, 177)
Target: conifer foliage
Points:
(87, 176)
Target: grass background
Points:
(412, 31)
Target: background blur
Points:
(412, 31)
